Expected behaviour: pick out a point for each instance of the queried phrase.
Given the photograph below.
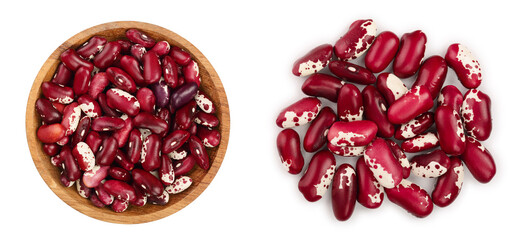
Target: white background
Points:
(252, 45)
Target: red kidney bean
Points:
(152, 67)
(51, 133)
(344, 192)
(95, 200)
(191, 73)
(73, 61)
(381, 161)
(375, 109)
(56, 160)
(299, 113)
(57, 93)
(51, 149)
(322, 85)
(89, 106)
(93, 177)
(151, 122)
(60, 107)
(102, 100)
(464, 64)
(84, 156)
(120, 174)
(181, 96)
(452, 97)
(400, 155)
(122, 160)
(71, 116)
(142, 199)
(139, 37)
(179, 185)
(123, 101)
(206, 119)
(147, 182)
(356, 41)
(204, 102)
(193, 129)
(94, 141)
(312, 62)
(415, 102)
(370, 192)
(121, 79)
(318, 176)
(107, 153)
(64, 180)
(81, 82)
(124, 46)
(411, 197)
(316, 135)
(161, 48)
(477, 114)
(104, 196)
(410, 54)
(116, 62)
(208, 136)
(430, 165)
(46, 110)
(166, 171)
(162, 94)
(350, 106)
(174, 141)
(72, 170)
(450, 131)
(151, 152)
(289, 148)
(182, 167)
(98, 83)
(478, 160)
(180, 56)
(92, 47)
(432, 74)
(184, 117)
(82, 190)
(146, 99)
(108, 55)
(391, 87)
(137, 51)
(121, 135)
(62, 75)
(162, 199)
(415, 126)
(449, 184)
(197, 149)
(134, 146)
(351, 72)
(170, 72)
(132, 67)
(120, 190)
(107, 124)
(164, 114)
(357, 133)
(381, 52)
(346, 151)
(420, 143)
(119, 205)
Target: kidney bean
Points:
(179, 185)
(415, 126)
(57, 93)
(204, 102)
(478, 160)
(357, 133)
(299, 113)
(162, 93)
(430, 165)
(108, 55)
(312, 62)
(123, 101)
(206, 119)
(318, 176)
(174, 141)
(450, 131)
(452, 97)
(411, 197)
(166, 171)
(191, 73)
(381, 52)
(120, 190)
(51, 149)
(356, 41)
(289, 148)
(322, 85)
(134, 146)
(46, 110)
(391, 87)
(82, 190)
(121, 79)
(420, 143)
(73, 61)
(180, 56)
(60, 107)
(147, 182)
(400, 155)
(120, 174)
(180, 153)
(121, 135)
(151, 122)
(125, 46)
(464, 64)
(449, 184)
(162, 199)
(57, 161)
(164, 114)
(107, 124)
(98, 83)
(64, 180)
(146, 99)
(208, 136)
(144, 133)
(84, 156)
(375, 108)
(119, 206)
(92, 47)
(62, 75)
(193, 129)
(107, 153)
(351, 72)
(151, 152)
(316, 135)
(170, 72)
(152, 67)
(370, 192)
(63, 141)
(182, 167)
(102, 101)
(139, 37)
(137, 51)
(104, 196)
(122, 160)
(477, 114)
(95, 200)
(381, 161)
(132, 67)
(161, 48)
(344, 192)
(197, 149)
(82, 79)
(89, 106)
(142, 199)
(350, 106)
(410, 54)
(93, 177)
(71, 116)
(432, 74)
(72, 170)
(347, 151)
(415, 102)
(182, 96)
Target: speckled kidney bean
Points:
(122, 101)
(432, 74)
(147, 182)
(208, 136)
(72, 170)
(357, 133)
(108, 55)
(164, 114)
(93, 177)
(464, 64)
(415, 126)
(382, 51)
(107, 153)
(46, 110)
(180, 56)
(64, 180)
(197, 149)
(351, 72)
(452, 97)
(375, 109)
(122, 160)
(151, 122)
(410, 54)
(98, 83)
(313, 61)
(184, 117)
(299, 113)
(449, 184)
(104, 196)
(73, 61)
(137, 51)
(71, 116)
(161, 48)
(57, 93)
(181, 184)
(95, 200)
(89, 106)
(170, 71)
(182, 95)
(207, 120)
(183, 166)
(166, 171)
(316, 135)
(107, 124)
(347, 151)
(152, 67)
(82, 190)
(350, 106)
(356, 40)
(478, 160)
(162, 93)
(151, 151)
(139, 37)
(120, 190)
(191, 73)
(391, 87)
(420, 143)
(51, 149)
(204, 102)
(344, 192)
(121, 79)
(132, 67)
(120, 174)
(476, 112)
(62, 75)
(102, 100)
(322, 85)
(381, 161)
(430, 165)
(174, 141)
(84, 156)
(180, 153)
(142, 199)
(94, 140)
(119, 205)
(289, 148)
(450, 130)
(400, 155)
(162, 199)
(318, 176)
(411, 197)
(413, 103)
(92, 47)
(121, 135)
(370, 192)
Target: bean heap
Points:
(366, 123)
(120, 120)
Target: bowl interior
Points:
(211, 85)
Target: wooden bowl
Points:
(211, 85)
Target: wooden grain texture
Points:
(211, 85)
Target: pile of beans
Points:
(120, 119)
(366, 123)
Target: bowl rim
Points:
(106, 214)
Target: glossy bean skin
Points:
(62, 75)
(121, 79)
(206, 120)
(147, 182)
(204, 102)
(108, 55)
(119, 205)
(73, 61)
(191, 73)
(344, 192)
(98, 83)
(316, 135)
(382, 51)
(150, 154)
(184, 117)
(346, 151)
(375, 109)
(452, 97)
(146, 99)
(183, 166)
(122, 101)
(420, 143)
(152, 67)
(180, 56)
(139, 37)
(56, 160)
(478, 160)
(122, 134)
(94, 140)
(411, 197)
(430, 165)
(93, 177)
(46, 110)
(137, 51)
(95, 200)
(132, 67)
(370, 192)
(413, 103)
(476, 112)
(105, 197)
(464, 64)
(102, 100)
(120, 190)
(142, 198)
(352, 73)
(120, 174)
(170, 71)
(318, 176)
(450, 131)
(208, 136)
(415, 126)
(123, 161)
(57, 93)
(313, 61)
(106, 155)
(381, 161)
(60, 107)
(181, 96)
(322, 85)
(89, 106)
(391, 87)
(449, 184)
(161, 48)
(289, 148)
(159, 200)
(81, 82)
(162, 94)
(174, 141)
(90, 48)
(71, 117)
(400, 155)
(410, 54)
(102, 124)
(164, 114)
(166, 171)
(432, 74)
(350, 106)
(51, 149)
(197, 149)
(356, 40)
(150, 121)
(84, 156)
(82, 190)
(181, 184)
(134, 146)
(299, 113)
(72, 170)
(357, 133)
(64, 180)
